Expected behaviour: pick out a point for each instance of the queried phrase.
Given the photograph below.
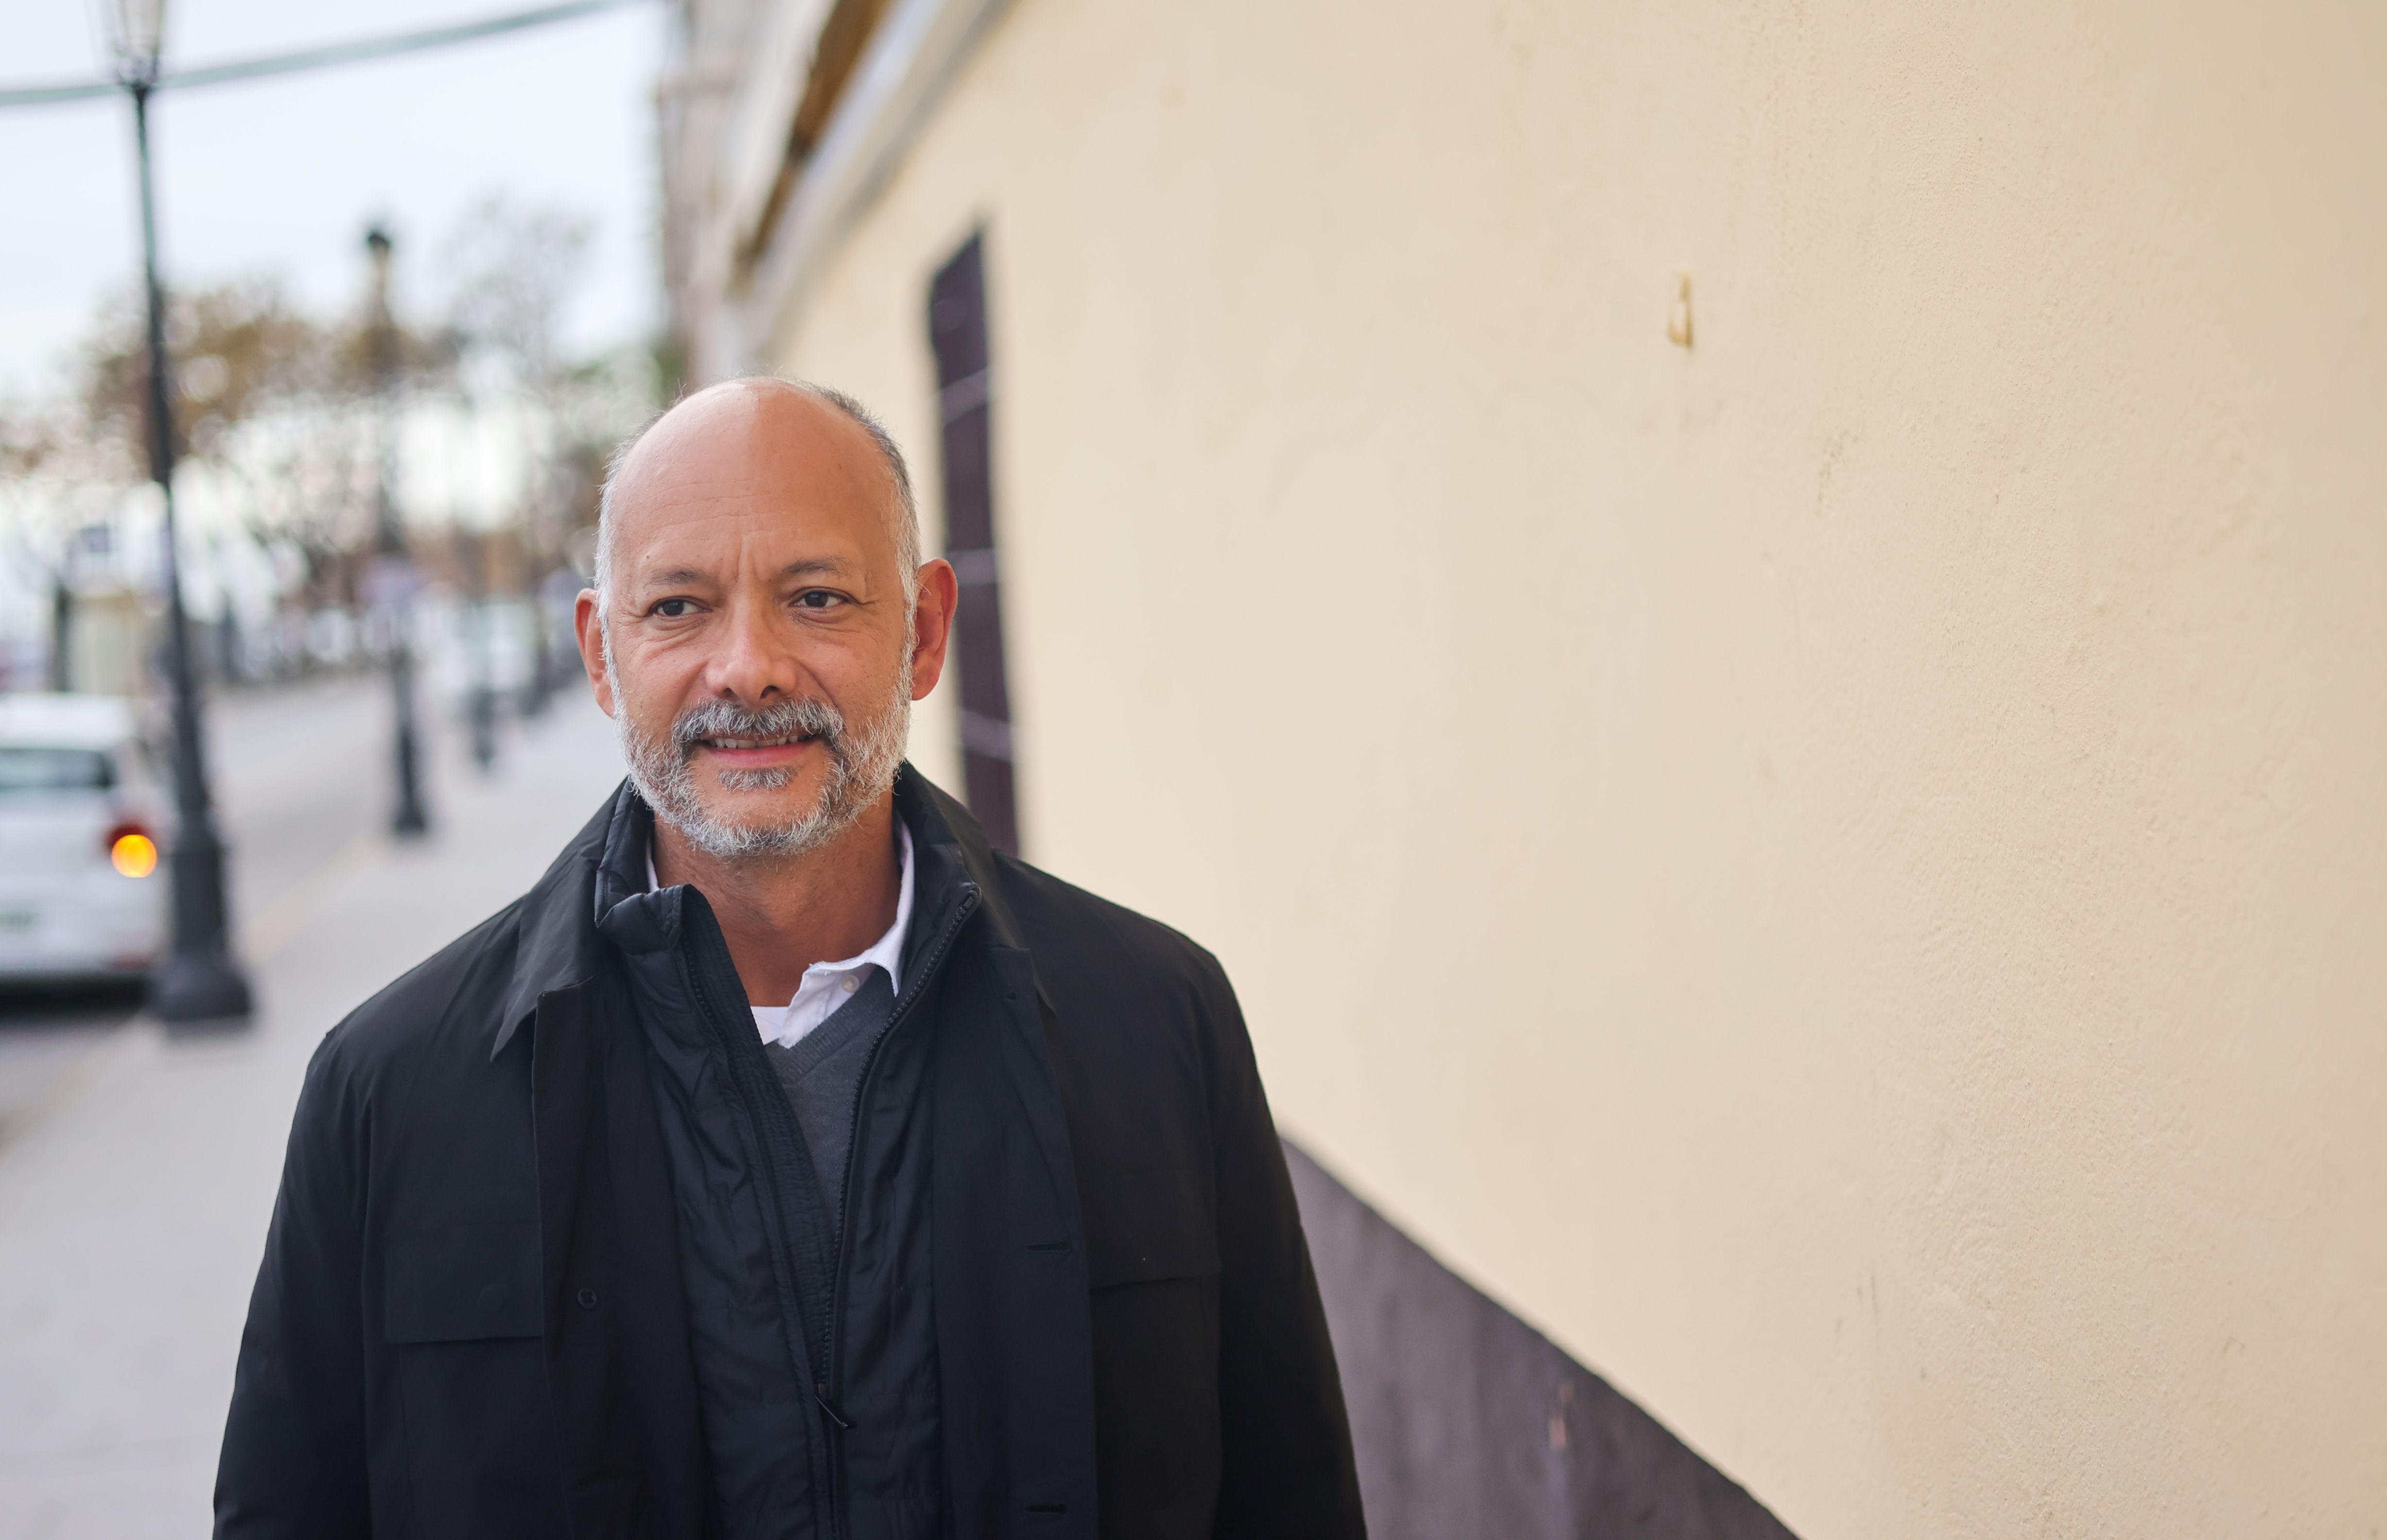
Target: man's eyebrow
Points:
(676, 577)
(814, 566)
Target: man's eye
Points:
(818, 598)
(673, 609)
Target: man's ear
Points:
(932, 625)
(588, 626)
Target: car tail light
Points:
(131, 850)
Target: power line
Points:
(319, 59)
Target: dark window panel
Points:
(964, 397)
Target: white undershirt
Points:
(827, 985)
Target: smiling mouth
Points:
(745, 745)
(774, 752)
(777, 739)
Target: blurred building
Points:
(1755, 631)
(109, 639)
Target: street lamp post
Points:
(395, 573)
(200, 981)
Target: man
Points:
(786, 1163)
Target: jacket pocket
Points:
(1147, 1224)
(1157, 1457)
(1152, 1271)
(460, 1311)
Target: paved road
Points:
(303, 787)
(133, 1204)
(298, 782)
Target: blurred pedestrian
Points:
(786, 1163)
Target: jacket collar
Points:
(944, 833)
(560, 947)
(557, 945)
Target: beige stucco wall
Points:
(1841, 872)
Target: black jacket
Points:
(469, 1319)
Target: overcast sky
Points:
(280, 177)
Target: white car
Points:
(83, 884)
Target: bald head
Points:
(763, 437)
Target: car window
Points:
(31, 769)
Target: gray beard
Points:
(863, 762)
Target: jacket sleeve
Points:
(1286, 1441)
(293, 1452)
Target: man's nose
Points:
(753, 662)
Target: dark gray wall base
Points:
(1470, 1423)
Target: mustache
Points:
(787, 720)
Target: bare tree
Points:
(239, 351)
(512, 271)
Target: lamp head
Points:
(136, 36)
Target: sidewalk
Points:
(132, 1212)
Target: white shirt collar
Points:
(888, 951)
(825, 985)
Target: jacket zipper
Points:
(834, 1458)
(831, 1391)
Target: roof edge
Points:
(910, 63)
